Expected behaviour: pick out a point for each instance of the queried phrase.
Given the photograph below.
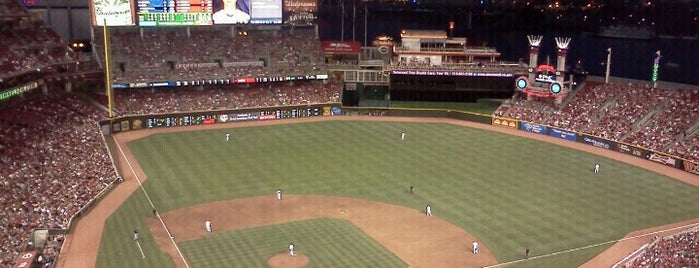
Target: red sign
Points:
(243, 80)
(340, 47)
(25, 259)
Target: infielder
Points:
(596, 169)
(291, 249)
(402, 136)
(228, 137)
(428, 210)
(475, 247)
(279, 194)
(207, 224)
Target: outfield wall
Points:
(129, 123)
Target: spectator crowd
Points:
(157, 54)
(679, 250)
(54, 162)
(199, 98)
(26, 44)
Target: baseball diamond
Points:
(474, 176)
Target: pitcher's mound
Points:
(283, 260)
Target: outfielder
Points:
(402, 136)
(596, 169)
(207, 224)
(135, 234)
(279, 194)
(428, 210)
(475, 247)
(291, 249)
(228, 137)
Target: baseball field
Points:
(347, 201)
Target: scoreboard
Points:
(174, 12)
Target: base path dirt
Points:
(417, 239)
(81, 245)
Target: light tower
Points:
(562, 44)
(534, 42)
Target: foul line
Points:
(592, 246)
(140, 185)
(140, 249)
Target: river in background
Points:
(630, 58)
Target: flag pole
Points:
(107, 78)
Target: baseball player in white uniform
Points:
(596, 169)
(428, 210)
(228, 137)
(402, 136)
(291, 249)
(135, 234)
(279, 194)
(475, 247)
(207, 224)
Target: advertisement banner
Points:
(597, 142)
(336, 110)
(504, 122)
(563, 134)
(25, 259)
(340, 47)
(453, 73)
(120, 85)
(691, 167)
(632, 150)
(664, 159)
(114, 12)
(534, 128)
(300, 12)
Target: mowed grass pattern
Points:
(327, 243)
(508, 191)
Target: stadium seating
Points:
(211, 53)
(679, 250)
(161, 100)
(54, 161)
(26, 45)
(676, 116)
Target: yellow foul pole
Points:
(107, 78)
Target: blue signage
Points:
(597, 142)
(531, 127)
(563, 134)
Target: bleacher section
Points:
(159, 54)
(26, 44)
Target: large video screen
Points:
(208, 12)
(174, 12)
(113, 12)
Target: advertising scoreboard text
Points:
(208, 12)
(452, 73)
(174, 12)
(152, 13)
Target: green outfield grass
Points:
(509, 192)
(327, 243)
